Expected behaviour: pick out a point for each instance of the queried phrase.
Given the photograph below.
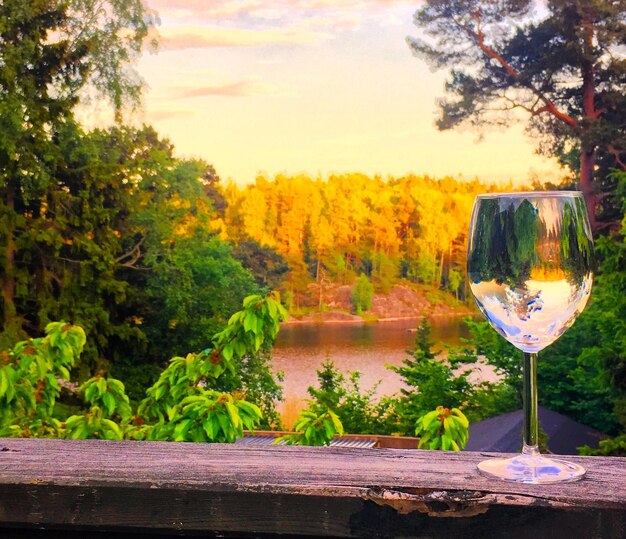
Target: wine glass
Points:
(530, 266)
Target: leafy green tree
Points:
(362, 294)
(256, 382)
(183, 405)
(455, 280)
(331, 391)
(430, 382)
(123, 249)
(489, 399)
(192, 289)
(319, 422)
(560, 65)
(358, 410)
(41, 81)
(267, 266)
(583, 374)
(29, 380)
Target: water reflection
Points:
(301, 348)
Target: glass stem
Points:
(531, 433)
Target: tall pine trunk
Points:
(590, 116)
(10, 324)
(587, 166)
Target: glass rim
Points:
(532, 194)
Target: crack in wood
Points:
(434, 503)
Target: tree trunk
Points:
(10, 322)
(440, 269)
(587, 166)
(590, 116)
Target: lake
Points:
(301, 348)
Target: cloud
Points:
(204, 37)
(244, 88)
(157, 115)
(236, 89)
(251, 11)
(253, 23)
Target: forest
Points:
(140, 295)
(333, 230)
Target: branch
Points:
(87, 24)
(516, 105)
(53, 276)
(549, 106)
(133, 255)
(611, 225)
(617, 154)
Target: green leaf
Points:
(251, 299)
(249, 408)
(250, 322)
(109, 402)
(181, 429)
(225, 426)
(160, 392)
(227, 352)
(233, 413)
(445, 442)
(328, 429)
(4, 382)
(116, 386)
(211, 427)
(90, 392)
(272, 309)
(171, 412)
(336, 422)
(112, 430)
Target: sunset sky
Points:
(316, 86)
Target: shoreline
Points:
(319, 318)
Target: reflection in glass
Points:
(530, 262)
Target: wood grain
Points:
(229, 489)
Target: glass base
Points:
(532, 469)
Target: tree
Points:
(561, 66)
(193, 288)
(51, 53)
(357, 410)
(455, 280)
(430, 382)
(362, 294)
(267, 266)
(583, 374)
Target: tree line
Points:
(334, 229)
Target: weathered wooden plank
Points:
(229, 489)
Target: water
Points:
(301, 349)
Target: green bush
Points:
(443, 428)
(184, 404)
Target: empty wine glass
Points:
(530, 266)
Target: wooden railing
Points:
(58, 488)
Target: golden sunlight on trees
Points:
(331, 231)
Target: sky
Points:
(314, 86)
